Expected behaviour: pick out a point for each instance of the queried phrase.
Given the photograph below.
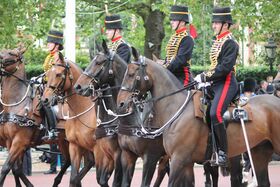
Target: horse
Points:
(19, 127)
(80, 125)
(108, 68)
(184, 135)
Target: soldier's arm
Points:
(124, 52)
(184, 54)
(228, 54)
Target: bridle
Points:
(106, 65)
(141, 76)
(59, 89)
(4, 63)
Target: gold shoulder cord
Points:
(48, 63)
(114, 46)
(214, 54)
(173, 46)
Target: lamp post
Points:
(270, 49)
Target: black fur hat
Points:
(113, 22)
(56, 37)
(179, 13)
(250, 85)
(222, 14)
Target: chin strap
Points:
(178, 25)
(221, 28)
(114, 34)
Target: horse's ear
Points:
(135, 53)
(105, 47)
(155, 58)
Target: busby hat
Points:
(222, 14)
(56, 37)
(113, 22)
(179, 13)
(250, 85)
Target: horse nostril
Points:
(121, 105)
(46, 101)
(77, 87)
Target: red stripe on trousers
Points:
(222, 98)
(186, 71)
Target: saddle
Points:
(229, 116)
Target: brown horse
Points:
(108, 69)
(81, 125)
(19, 127)
(184, 135)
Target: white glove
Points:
(203, 84)
(198, 78)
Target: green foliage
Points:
(82, 59)
(32, 18)
(35, 56)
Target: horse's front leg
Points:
(104, 166)
(163, 168)
(18, 173)
(64, 149)
(128, 160)
(181, 173)
(75, 155)
(88, 163)
(117, 182)
(14, 154)
(149, 166)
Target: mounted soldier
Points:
(113, 24)
(223, 55)
(54, 45)
(180, 45)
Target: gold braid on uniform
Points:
(173, 46)
(215, 52)
(48, 62)
(114, 45)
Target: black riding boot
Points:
(51, 121)
(221, 139)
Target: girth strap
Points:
(17, 119)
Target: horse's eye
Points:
(100, 62)
(58, 74)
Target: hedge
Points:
(35, 58)
(257, 72)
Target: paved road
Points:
(41, 180)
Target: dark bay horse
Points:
(184, 135)
(19, 127)
(108, 69)
(80, 125)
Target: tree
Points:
(29, 17)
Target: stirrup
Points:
(52, 134)
(214, 159)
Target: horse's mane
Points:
(165, 71)
(75, 65)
